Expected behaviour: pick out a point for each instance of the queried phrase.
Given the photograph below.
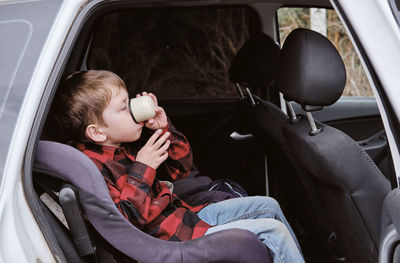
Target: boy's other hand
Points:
(160, 121)
(154, 152)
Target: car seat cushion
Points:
(337, 160)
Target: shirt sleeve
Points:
(180, 158)
(131, 193)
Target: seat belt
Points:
(65, 207)
(50, 199)
(54, 208)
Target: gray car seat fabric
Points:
(389, 250)
(347, 186)
(74, 167)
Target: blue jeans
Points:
(261, 215)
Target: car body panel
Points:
(17, 225)
(19, 228)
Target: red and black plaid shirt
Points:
(141, 197)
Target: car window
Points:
(326, 22)
(175, 52)
(22, 35)
(14, 36)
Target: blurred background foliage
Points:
(186, 53)
(173, 53)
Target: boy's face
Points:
(120, 125)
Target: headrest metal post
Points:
(314, 129)
(253, 102)
(292, 114)
(239, 89)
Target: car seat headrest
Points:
(311, 71)
(256, 63)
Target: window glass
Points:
(174, 53)
(14, 36)
(328, 23)
(22, 37)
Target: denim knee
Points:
(268, 201)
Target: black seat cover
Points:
(311, 70)
(255, 66)
(347, 186)
(71, 165)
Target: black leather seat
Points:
(345, 187)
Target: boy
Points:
(94, 111)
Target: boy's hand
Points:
(160, 121)
(154, 152)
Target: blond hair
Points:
(81, 100)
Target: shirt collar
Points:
(104, 150)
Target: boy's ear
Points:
(94, 133)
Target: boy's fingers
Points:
(165, 146)
(154, 137)
(153, 97)
(161, 140)
(138, 95)
(164, 156)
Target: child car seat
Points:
(72, 166)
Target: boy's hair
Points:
(81, 100)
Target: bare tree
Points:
(191, 58)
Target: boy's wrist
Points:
(166, 128)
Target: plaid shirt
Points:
(141, 197)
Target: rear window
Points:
(174, 53)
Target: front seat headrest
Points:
(311, 71)
(256, 63)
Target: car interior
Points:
(259, 94)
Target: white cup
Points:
(142, 108)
